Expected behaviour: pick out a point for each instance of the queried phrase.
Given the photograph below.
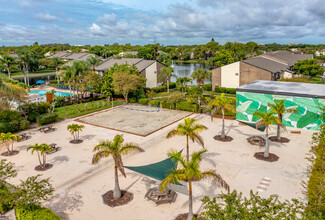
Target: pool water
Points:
(42, 93)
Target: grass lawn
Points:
(71, 111)
(37, 72)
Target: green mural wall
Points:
(308, 116)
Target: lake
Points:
(186, 69)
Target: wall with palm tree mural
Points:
(309, 111)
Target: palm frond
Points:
(100, 155)
(130, 148)
(211, 174)
(173, 178)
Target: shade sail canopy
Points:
(40, 82)
(158, 171)
(253, 125)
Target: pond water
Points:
(186, 69)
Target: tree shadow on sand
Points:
(64, 202)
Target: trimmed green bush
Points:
(24, 124)
(186, 106)
(6, 199)
(207, 87)
(225, 90)
(32, 116)
(47, 118)
(143, 101)
(154, 102)
(34, 110)
(35, 212)
(8, 115)
(132, 100)
(11, 126)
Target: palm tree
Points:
(266, 119)
(7, 139)
(167, 74)
(116, 149)
(191, 130)
(182, 81)
(41, 150)
(279, 108)
(225, 104)
(93, 61)
(189, 170)
(56, 62)
(74, 130)
(201, 75)
(7, 60)
(25, 56)
(66, 75)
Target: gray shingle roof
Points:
(144, 64)
(267, 64)
(309, 90)
(111, 61)
(59, 54)
(289, 57)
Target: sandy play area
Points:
(134, 121)
(79, 185)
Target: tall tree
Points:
(56, 62)
(189, 170)
(75, 130)
(183, 81)
(93, 62)
(200, 75)
(279, 108)
(225, 104)
(7, 61)
(25, 56)
(7, 139)
(266, 119)
(124, 83)
(191, 130)
(167, 74)
(115, 149)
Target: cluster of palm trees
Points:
(42, 150)
(8, 139)
(75, 130)
(274, 116)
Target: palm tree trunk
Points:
(278, 136)
(117, 190)
(39, 159)
(187, 149)
(44, 159)
(8, 148)
(167, 84)
(190, 203)
(24, 70)
(57, 74)
(27, 74)
(8, 69)
(266, 151)
(223, 135)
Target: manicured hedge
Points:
(186, 106)
(47, 118)
(154, 102)
(225, 90)
(163, 88)
(34, 213)
(143, 101)
(12, 121)
(9, 115)
(207, 87)
(34, 110)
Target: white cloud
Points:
(45, 17)
(96, 30)
(109, 19)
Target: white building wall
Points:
(151, 75)
(230, 75)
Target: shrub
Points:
(32, 116)
(168, 105)
(154, 102)
(6, 199)
(11, 126)
(34, 212)
(24, 124)
(60, 101)
(9, 115)
(31, 108)
(172, 85)
(132, 100)
(186, 106)
(207, 87)
(143, 101)
(47, 118)
(225, 90)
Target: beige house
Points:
(269, 66)
(149, 69)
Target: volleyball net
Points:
(137, 107)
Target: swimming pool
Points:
(42, 93)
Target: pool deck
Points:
(79, 185)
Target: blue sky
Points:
(167, 22)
